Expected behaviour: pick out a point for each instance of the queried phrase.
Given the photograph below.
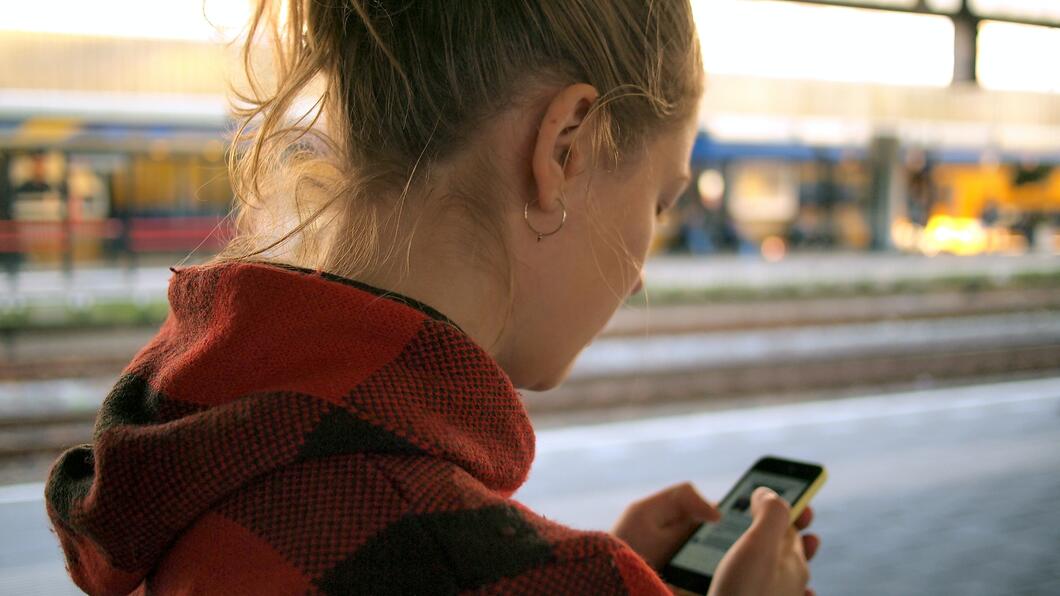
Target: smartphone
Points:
(692, 566)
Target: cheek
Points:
(640, 230)
(631, 231)
(622, 253)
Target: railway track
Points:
(104, 352)
(795, 376)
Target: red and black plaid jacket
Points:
(293, 432)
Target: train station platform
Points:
(941, 491)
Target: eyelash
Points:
(660, 209)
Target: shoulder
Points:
(580, 562)
(497, 545)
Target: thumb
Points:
(770, 513)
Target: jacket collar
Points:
(392, 359)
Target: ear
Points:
(556, 155)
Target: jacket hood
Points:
(258, 366)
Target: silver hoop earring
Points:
(540, 234)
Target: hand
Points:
(656, 526)
(771, 557)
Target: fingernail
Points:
(765, 492)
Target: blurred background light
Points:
(137, 19)
(1016, 57)
(1045, 10)
(795, 41)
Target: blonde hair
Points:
(397, 87)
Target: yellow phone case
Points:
(798, 506)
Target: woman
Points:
(308, 419)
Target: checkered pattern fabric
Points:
(291, 432)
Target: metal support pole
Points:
(8, 256)
(7, 199)
(887, 193)
(67, 222)
(965, 46)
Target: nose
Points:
(638, 286)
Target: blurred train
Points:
(128, 180)
(135, 180)
(775, 197)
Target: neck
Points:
(434, 264)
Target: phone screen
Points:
(704, 550)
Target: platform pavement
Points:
(937, 492)
(143, 284)
(872, 269)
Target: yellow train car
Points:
(970, 190)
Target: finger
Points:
(794, 541)
(682, 504)
(810, 592)
(694, 505)
(805, 518)
(770, 514)
(810, 544)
